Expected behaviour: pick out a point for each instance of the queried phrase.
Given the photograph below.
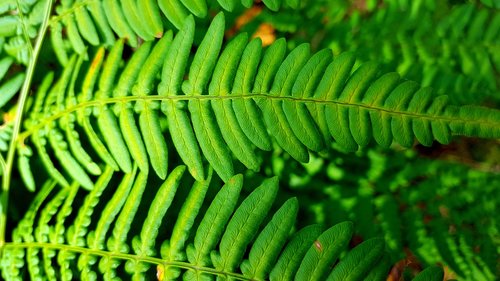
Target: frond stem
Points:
(17, 124)
(25, 32)
(124, 256)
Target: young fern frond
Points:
(75, 247)
(215, 113)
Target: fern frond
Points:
(220, 242)
(305, 101)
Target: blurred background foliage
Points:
(430, 211)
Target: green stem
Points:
(4, 200)
(124, 257)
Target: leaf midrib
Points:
(99, 102)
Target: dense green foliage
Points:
(178, 139)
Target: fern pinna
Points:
(306, 101)
(95, 237)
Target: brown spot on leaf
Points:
(318, 245)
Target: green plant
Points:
(139, 93)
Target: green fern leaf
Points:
(128, 125)
(137, 23)
(148, 118)
(226, 99)
(67, 124)
(289, 261)
(56, 39)
(173, 249)
(82, 115)
(227, 5)
(10, 87)
(430, 274)
(203, 119)
(42, 230)
(301, 121)
(380, 270)
(218, 213)
(250, 122)
(172, 76)
(117, 242)
(58, 231)
(86, 26)
(8, 25)
(359, 261)
(78, 230)
(323, 253)
(241, 228)
(150, 12)
(143, 245)
(74, 36)
(96, 239)
(197, 7)
(117, 22)
(98, 13)
(26, 227)
(273, 237)
(174, 11)
(273, 113)
(223, 110)
(273, 5)
(106, 120)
